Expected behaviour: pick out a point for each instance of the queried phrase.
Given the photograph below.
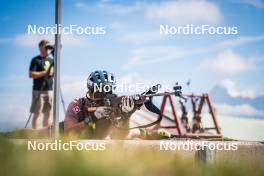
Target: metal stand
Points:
(57, 70)
(203, 99)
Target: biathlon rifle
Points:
(115, 102)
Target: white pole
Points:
(57, 70)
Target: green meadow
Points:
(16, 159)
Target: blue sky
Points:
(133, 48)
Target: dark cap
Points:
(43, 43)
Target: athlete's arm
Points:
(71, 123)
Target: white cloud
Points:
(14, 109)
(73, 86)
(31, 41)
(239, 41)
(113, 8)
(116, 25)
(143, 56)
(150, 55)
(176, 12)
(234, 91)
(184, 12)
(243, 110)
(139, 37)
(82, 6)
(227, 62)
(120, 9)
(14, 112)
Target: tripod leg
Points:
(29, 117)
(62, 102)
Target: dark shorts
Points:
(41, 101)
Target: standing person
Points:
(39, 70)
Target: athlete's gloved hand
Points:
(127, 104)
(102, 112)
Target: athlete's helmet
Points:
(100, 78)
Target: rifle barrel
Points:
(178, 94)
(160, 94)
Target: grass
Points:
(15, 159)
